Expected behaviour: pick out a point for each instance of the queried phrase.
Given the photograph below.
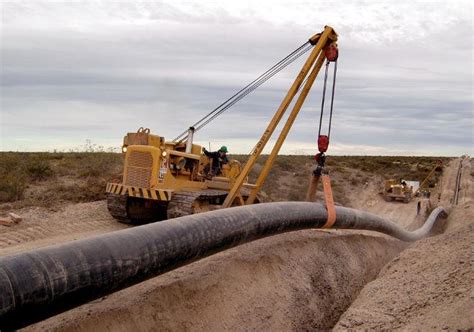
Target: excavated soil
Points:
(296, 281)
(429, 286)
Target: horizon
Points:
(117, 150)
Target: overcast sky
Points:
(93, 70)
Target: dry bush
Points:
(75, 177)
(51, 178)
(13, 176)
(39, 170)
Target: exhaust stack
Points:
(189, 141)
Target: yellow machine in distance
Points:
(167, 179)
(396, 191)
(401, 190)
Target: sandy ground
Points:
(401, 213)
(296, 281)
(41, 227)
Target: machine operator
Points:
(218, 158)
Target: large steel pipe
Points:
(40, 283)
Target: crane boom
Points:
(439, 163)
(321, 41)
(169, 179)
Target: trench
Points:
(48, 281)
(302, 280)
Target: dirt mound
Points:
(430, 285)
(296, 281)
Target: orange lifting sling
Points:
(323, 145)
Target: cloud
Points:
(94, 70)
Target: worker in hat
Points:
(218, 158)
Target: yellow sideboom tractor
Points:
(400, 191)
(168, 179)
(395, 191)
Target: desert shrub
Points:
(39, 170)
(82, 176)
(18, 170)
(286, 163)
(91, 190)
(12, 188)
(12, 177)
(338, 169)
(99, 164)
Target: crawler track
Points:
(182, 203)
(189, 202)
(117, 206)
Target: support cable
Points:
(332, 98)
(324, 97)
(247, 89)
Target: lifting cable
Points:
(290, 58)
(323, 144)
(324, 97)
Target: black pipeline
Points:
(38, 284)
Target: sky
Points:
(90, 71)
